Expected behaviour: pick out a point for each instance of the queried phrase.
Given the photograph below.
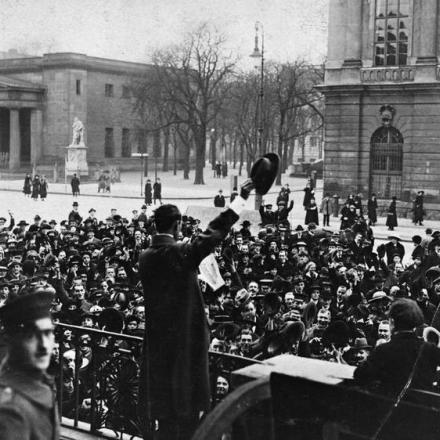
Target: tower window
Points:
(391, 32)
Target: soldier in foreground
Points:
(28, 409)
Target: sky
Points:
(132, 29)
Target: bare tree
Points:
(191, 78)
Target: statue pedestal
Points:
(76, 160)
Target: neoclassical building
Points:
(41, 96)
(382, 95)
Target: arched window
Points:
(391, 32)
(386, 162)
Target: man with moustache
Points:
(28, 409)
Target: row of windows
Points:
(109, 90)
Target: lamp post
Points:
(142, 156)
(257, 54)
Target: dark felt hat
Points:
(264, 171)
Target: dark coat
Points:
(219, 201)
(392, 215)
(312, 215)
(177, 330)
(157, 190)
(35, 188)
(372, 210)
(308, 194)
(74, 183)
(419, 211)
(43, 189)
(148, 194)
(27, 185)
(390, 250)
(391, 363)
(28, 410)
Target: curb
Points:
(134, 197)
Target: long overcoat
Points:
(177, 333)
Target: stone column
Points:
(353, 33)
(336, 33)
(36, 135)
(425, 31)
(14, 139)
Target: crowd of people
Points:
(286, 289)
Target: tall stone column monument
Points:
(76, 152)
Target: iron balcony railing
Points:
(97, 376)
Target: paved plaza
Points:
(125, 196)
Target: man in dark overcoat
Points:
(174, 379)
(391, 364)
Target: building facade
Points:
(382, 95)
(40, 96)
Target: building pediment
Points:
(10, 83)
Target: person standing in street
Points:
(28, 409)
(312, 213)
(43, 188)
(27, 186)
(148, 193)
(219, 200)
(174, 382)
(157, 191)
(392, 215)
(74, 183)
(419, 211)
(35, 187)
(326, 209)
(372, 209)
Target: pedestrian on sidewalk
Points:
(157, 191)
(44, 186)
(35, 187)
(309, 193)
(326, 209)
(148, 193)
(312, 213)
(219, 200)
(419, 211)
(392, 215)
(372, 210)
(74, 183)
(27, 186)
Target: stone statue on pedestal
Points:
(76, 152)
(78, 132)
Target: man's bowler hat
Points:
(264, 171)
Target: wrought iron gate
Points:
(386, 163)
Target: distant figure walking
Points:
(101, 182)
(74, 183)
(326, 209)
(392, 215)
(44, 186)
(148, 193)
(312, 213)
(157, 191)
(219, 200)
(36, 187)
(372, 209)
(419, 211)
(27, 186)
